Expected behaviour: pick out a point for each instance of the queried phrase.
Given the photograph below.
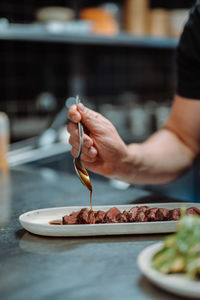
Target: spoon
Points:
(79, 167)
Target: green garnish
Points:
(181, 251)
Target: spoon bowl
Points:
(79, 167)
(82, 173)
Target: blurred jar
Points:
(162, 113)
(114, 9)
(103, 21)
(54, 13)
(136, 16)
(4, 171)
(160, 22)
(140, 122)
(118, 116)
(178, 18)
(4, 141)
(5, 198)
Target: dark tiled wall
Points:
(29, 68)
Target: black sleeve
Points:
(188, 57)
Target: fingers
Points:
(86, 151)
(88, 155)
(89, 152)
(92, 120)
(74, 114)
(85, 156)
(74, 137)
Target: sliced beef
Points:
(161, 214)
(142, 214)
(99, 216)
(135, 214)
(71, 219)
(110, 216)
(86, 217)
(141, 217)
(122, 217)
(83, 216)
(151, 214)
(91, 219)
(193, 211)
(132, 213)
(174, 214)
(138, 214)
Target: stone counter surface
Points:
(92, 268)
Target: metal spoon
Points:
(79, 167)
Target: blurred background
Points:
(119, 56)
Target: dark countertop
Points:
(35, 267)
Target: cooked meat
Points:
(99, 216)
(193, 211)
(86, 216)
(110, 216)
(71, 219)
(141, 216)
(151, 214)
(174, 214)
(135, 214)
(132, 213)
(122, 217)
(161, 214)
(83, 216)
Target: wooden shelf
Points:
(39, 33)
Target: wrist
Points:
(130, 164)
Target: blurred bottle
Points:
(4, 141)
(118, 115)
(162, 113)
(103, 21)
(114, 9)
(178, 18)
(5, 210)
(136, 16)
(140, 122)
(159, 22)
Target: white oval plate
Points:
(178, 284)
(37, 221)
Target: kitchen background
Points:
(120, 60)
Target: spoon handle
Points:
(80, 131)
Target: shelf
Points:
(39, 33)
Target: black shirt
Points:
(188, 57)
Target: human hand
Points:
(103, 150)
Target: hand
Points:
(103, 149)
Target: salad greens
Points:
(181, 251)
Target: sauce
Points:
(56, 222)
(85, 179)
(91, 201)
(83, 174)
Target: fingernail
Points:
(92, 151)
(81, 107)
(74, 119)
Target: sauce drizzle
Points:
(56, 222)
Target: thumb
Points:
(91, 119)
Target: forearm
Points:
(162, 158)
